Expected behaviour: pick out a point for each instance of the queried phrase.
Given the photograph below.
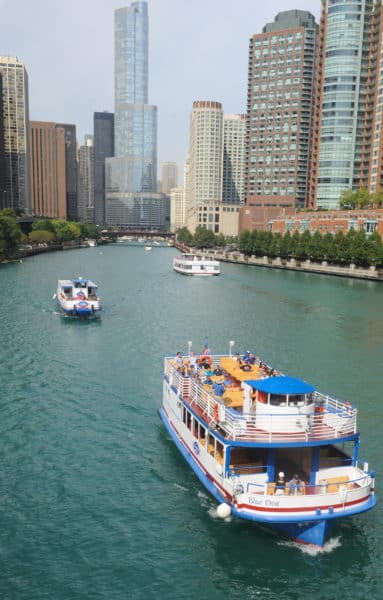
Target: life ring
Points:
(216, 413)
(83, 304)
(205, 358)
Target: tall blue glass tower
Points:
(134, 166)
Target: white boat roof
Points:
(81, 280)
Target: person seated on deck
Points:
(192, 362)
(280, 484)
(295, 485)
(219, 387)
(179, 362)
(218, 371)
(251, 359)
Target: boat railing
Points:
(334, 485)
(336, 419)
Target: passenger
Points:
(219, 388)
(218, 371)
(179, 362)
(251, 359)
(295, 485)
(280, 484)
(192, 361)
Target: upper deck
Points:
(260, 408)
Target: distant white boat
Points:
(92, 243)
(195, 264)
(148, 248)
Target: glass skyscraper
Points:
(134, 167)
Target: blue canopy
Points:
(281, 385)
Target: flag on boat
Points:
(206, 346)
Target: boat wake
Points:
(312, 550)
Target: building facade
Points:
(15, 192)
(47, 170)
(177, 208)
(350, 36)
(280, 111)
(233, 169)
(205, 158)
(133, 170)
(103, 143)
(85, 185)
(169, 177)
(70, 170)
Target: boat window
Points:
(277, 400)
(67, 290)
(309, 398)
(296, 400)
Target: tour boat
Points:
(78, 297)
(268, 424)
(195, 264)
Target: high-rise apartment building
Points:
(233, 171)
(85, 185)
(280, 111)
(169, 177)
(348, 124)
(47, 170)
(103, 143)
(3, 192)
(15, 128)
(70, 170)
(205, 157)
(133, 170)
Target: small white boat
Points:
(78, 297)
(92, 243)
(148, 248)
(195, 264)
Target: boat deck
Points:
(336, 419)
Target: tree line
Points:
(50, 231)
(353, 247)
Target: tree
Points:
(10, 233)
(184, 236)
(244, 243)
(88, 230)
(203, 238)
(377, 197)
(43, 225)
(363, 198)
(348, 199)
(41, 236)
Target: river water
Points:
(95, 500)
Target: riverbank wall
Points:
(292, 264)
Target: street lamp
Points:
(231, 344)
(189, 347)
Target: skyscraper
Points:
(85, 185)
(233, 172)
(15, 125)
(169, 177)
(280, 111)
(103, 141)
(133, 170)
(347, 82)
(47, 169)
(70, 170)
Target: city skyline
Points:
(190, 59)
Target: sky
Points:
(198, 50)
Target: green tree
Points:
(203, 238)
(41, 236)
(10, 233)
(220, 240)
(90, 231)
(276, 245)
(303, 248)
(363, 198)
(377, 197)
(244, 243)
(43, 225)
(184, 236)
(348, 199)
(285, 245)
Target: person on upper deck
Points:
(280, 484)
(179, 362)
(295, 485)
(219, 387)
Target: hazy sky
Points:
(198, 50)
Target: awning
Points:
(281, 385)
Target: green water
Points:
(95, 500)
